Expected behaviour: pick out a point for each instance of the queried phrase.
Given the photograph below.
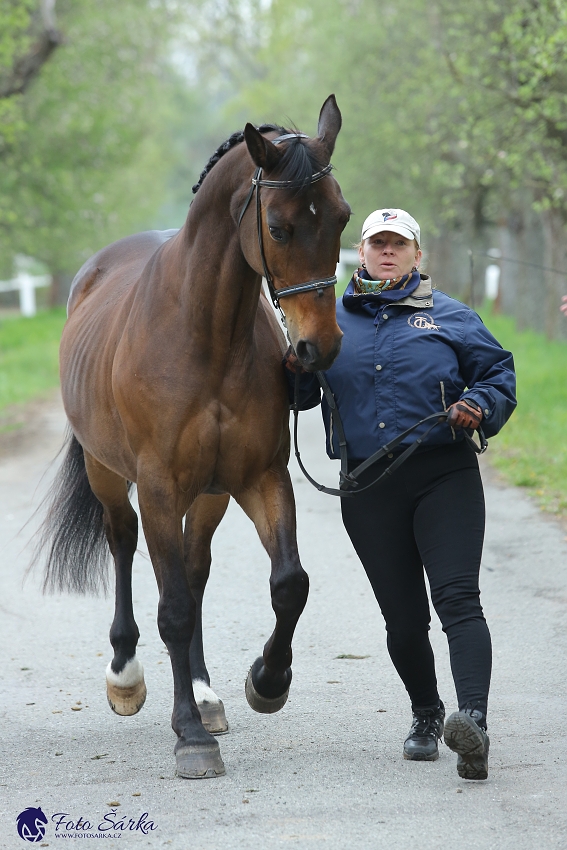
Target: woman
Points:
(409, 351)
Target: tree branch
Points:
(27, 67)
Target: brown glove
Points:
(292, 362)
(464, 414)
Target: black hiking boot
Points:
(425, 732)
(465, 734)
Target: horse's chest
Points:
(255, 430)
(228, 448)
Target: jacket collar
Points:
(420, 297)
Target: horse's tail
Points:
(72, 532)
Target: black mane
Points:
(298, 162)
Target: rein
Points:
(348, 481)
(257, 182)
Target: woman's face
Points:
(387, 255)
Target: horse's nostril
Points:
(307, 352)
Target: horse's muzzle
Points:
(311, 357)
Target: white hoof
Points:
(210, 707)
(126, 691)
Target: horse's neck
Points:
(218, 291)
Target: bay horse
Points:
(171, 379)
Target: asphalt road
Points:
(327, 771)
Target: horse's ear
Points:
(330, 122)
(263, 152)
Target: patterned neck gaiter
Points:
(363, 293)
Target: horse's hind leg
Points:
(201, 522)
(271, 506)
(125, 686)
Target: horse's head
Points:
(294, 236)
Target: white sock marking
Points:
(130, 675)
(203, 693)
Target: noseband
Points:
(257, 182)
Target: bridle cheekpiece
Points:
(318, 285)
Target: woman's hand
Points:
(464, 414)
(291, 362)
(563, 307)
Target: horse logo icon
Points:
(388, 216)
(423, 322)
(31, 824)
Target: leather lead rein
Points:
(348, 481)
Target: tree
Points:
(89, 159)
(456, 110)
(28, 38)
(512, 57)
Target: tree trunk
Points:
(59, 289)
(522, 286)
(555, 241)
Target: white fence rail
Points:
(26, 285)
(349, 261)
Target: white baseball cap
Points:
(396, 221)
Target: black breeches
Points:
(429, 514)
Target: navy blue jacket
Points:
(416, 357)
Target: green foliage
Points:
(511, 57)
(90, 160)
(14, 40)
(85, 111)
(29, 357)
(359, 51)
(449, 107)
(15, 19)
(531, 450)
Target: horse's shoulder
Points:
(131, 251)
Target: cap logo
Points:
(389, 216)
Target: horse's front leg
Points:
(271, 506)
(201, 522)
(197, 752)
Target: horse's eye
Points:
(279, 234)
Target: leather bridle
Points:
(320, 284)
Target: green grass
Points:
(29, 357)
(531, 450)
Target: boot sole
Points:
(464, 737)
(421, 756)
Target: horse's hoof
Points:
(200, 762)
(261, 704)
(210, 707)
(126, 691)
(126, 701)
(213, 717)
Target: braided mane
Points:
(297, 164)
(233, 140)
